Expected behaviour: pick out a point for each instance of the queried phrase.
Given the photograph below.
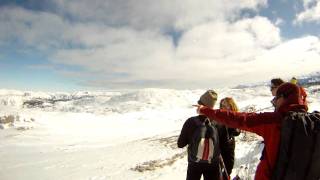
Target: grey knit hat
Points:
(208, 99)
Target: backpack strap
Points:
(212, 123)
(207, 121)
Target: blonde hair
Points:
(229, 101)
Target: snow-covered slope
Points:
(112, 135)
(98, 102)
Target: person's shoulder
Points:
(192, 119)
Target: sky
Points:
(183, 44)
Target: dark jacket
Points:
(189, 128)
(228, 153)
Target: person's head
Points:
(287, 94)
(228, 104)
(275, 83)
(294, 80)
(209, 98)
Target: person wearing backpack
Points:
(204, 143)
(265, 124)
(228, 153)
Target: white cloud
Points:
(311, 12)
(205, 50)
(155, 14)
(38, 30)
(291, 58)
(123, 44)
(308, 3)
(238, 41)
(132, 52)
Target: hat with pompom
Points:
(294, 80)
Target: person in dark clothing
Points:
(228, 153)
(210, 171)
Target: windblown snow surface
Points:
(113, 135)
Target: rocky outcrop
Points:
(15, 122)
(49, 102)
(33, 103)
(6, 121)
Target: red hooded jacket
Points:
(303, 94)
(266, 125)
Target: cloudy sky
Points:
(185, 44)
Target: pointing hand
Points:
(198, 108)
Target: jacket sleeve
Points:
(183, 138)
(252, 122)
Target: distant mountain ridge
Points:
(105, 102)
(309, 80)
(305, 80)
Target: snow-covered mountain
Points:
(310, 80)
(98, 102)
(113, 135)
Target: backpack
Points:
(204, 145)
(299, 149)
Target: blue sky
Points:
(73, 45)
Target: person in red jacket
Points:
(303, 92)
(265, 124)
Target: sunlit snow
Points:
(113, 135)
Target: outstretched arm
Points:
(253, 122)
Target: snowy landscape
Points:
(102, 135)
(100, 90)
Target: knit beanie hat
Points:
(290, 92)
(208, 99)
